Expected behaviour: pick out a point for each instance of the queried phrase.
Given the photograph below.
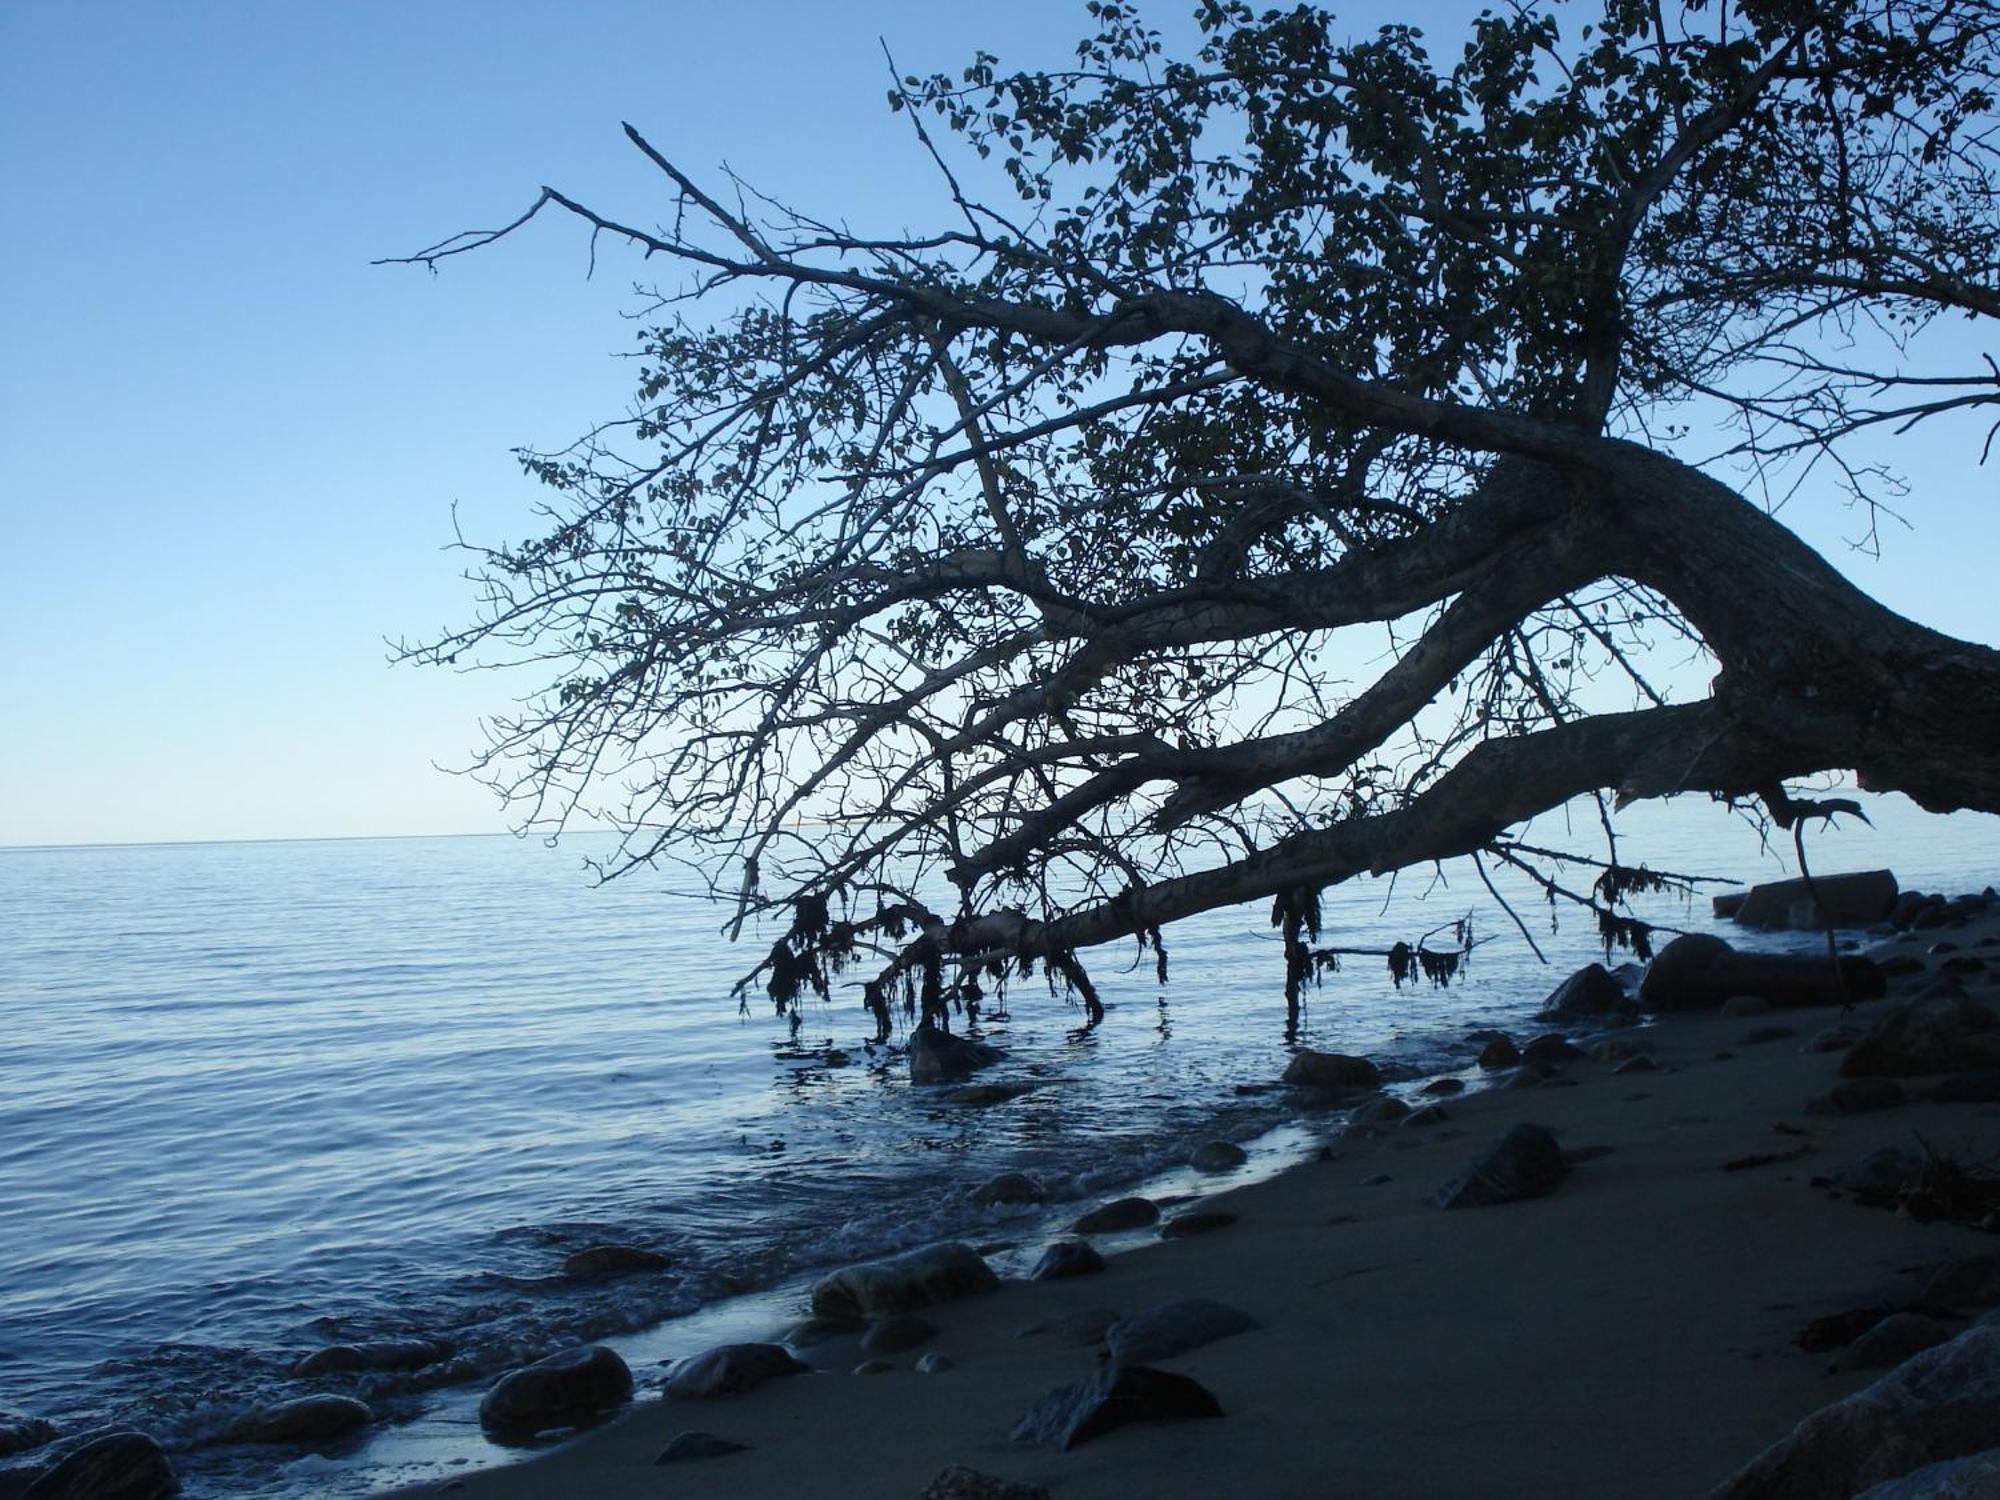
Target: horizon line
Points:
(283, 838)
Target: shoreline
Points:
(1630, 1334)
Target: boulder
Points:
(563, 1390)
(1527, 1163)
(1331, 1070)
(935, 1363)
(816, 1331)
(1836, 1038)
(1169, 1328)
(1443, 1087)
(686, 1447)
(1550, 1048)
(1113, 1397)
(1218, 1156)
(1009, 1187)
(1728, 904)
(1894, 1340)
(1067, 1258)
(19, 1434)
(114, 1466)
(1880, 1175)
(937, 1056)
(1941, 1031)
(376, 1354)
(1976, 1477)
(1198, 1221)
(988, 1093)
(903, 1283)
(873, 1367)
(1499, 1052)
(961, 1483)
(1941, 1404)
(1430, 1114)
(1387, 1110)
(1849, 900)
(894, 1335)
(1638, 1062)
(1590, 991)
(730, 1370)
(1120, 1213)
(1697, 971)
(613, 1260)
(309, 1419)
(1618, 1048)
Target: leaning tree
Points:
(1015, 558)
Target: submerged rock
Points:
(1169, 1328)
(564, 1390)
(988, 1093)
(1112, 1398)
(377, 1354)
(1526, 1163)
(939, 1057)
(19, 1434)
(614, 1260)
(903, 1283)
(1121, 1213)
(686, 1447)
(1009, 1187)
(309, 1419)
(730, 1370)
(115, 1466)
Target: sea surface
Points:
(260, 1097)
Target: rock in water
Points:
(730, 1370)
(1552, 1047)
(1331, 1070)
(378, 1354)
(1169, 1328)
(1941, 1404)
(1852, 900)
(116, 1466)
(309, 1419)
(561, 1391)
(1527, 1163)
(903, 1283)
(1066, 1258)
(1121, 1213)
(1009, 1187)
(1590, 991)
(686, 1447)
(1499, 1052)
(939, 1057)
(614, 1260)
(1113, 1397)
(19, 1434)
(1941, 1031)
(1218, 1156)
(961, 1483)
(1698, 971)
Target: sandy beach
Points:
(1631, 1334)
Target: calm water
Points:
(261, 1097)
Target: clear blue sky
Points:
(229, 446)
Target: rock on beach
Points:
(309, 1419)
(115, 1466)
(564, 1390)
(903, 1283)
(730, 1370)
(1527, 1163)
(1113, 1397)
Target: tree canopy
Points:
(1009, 559)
